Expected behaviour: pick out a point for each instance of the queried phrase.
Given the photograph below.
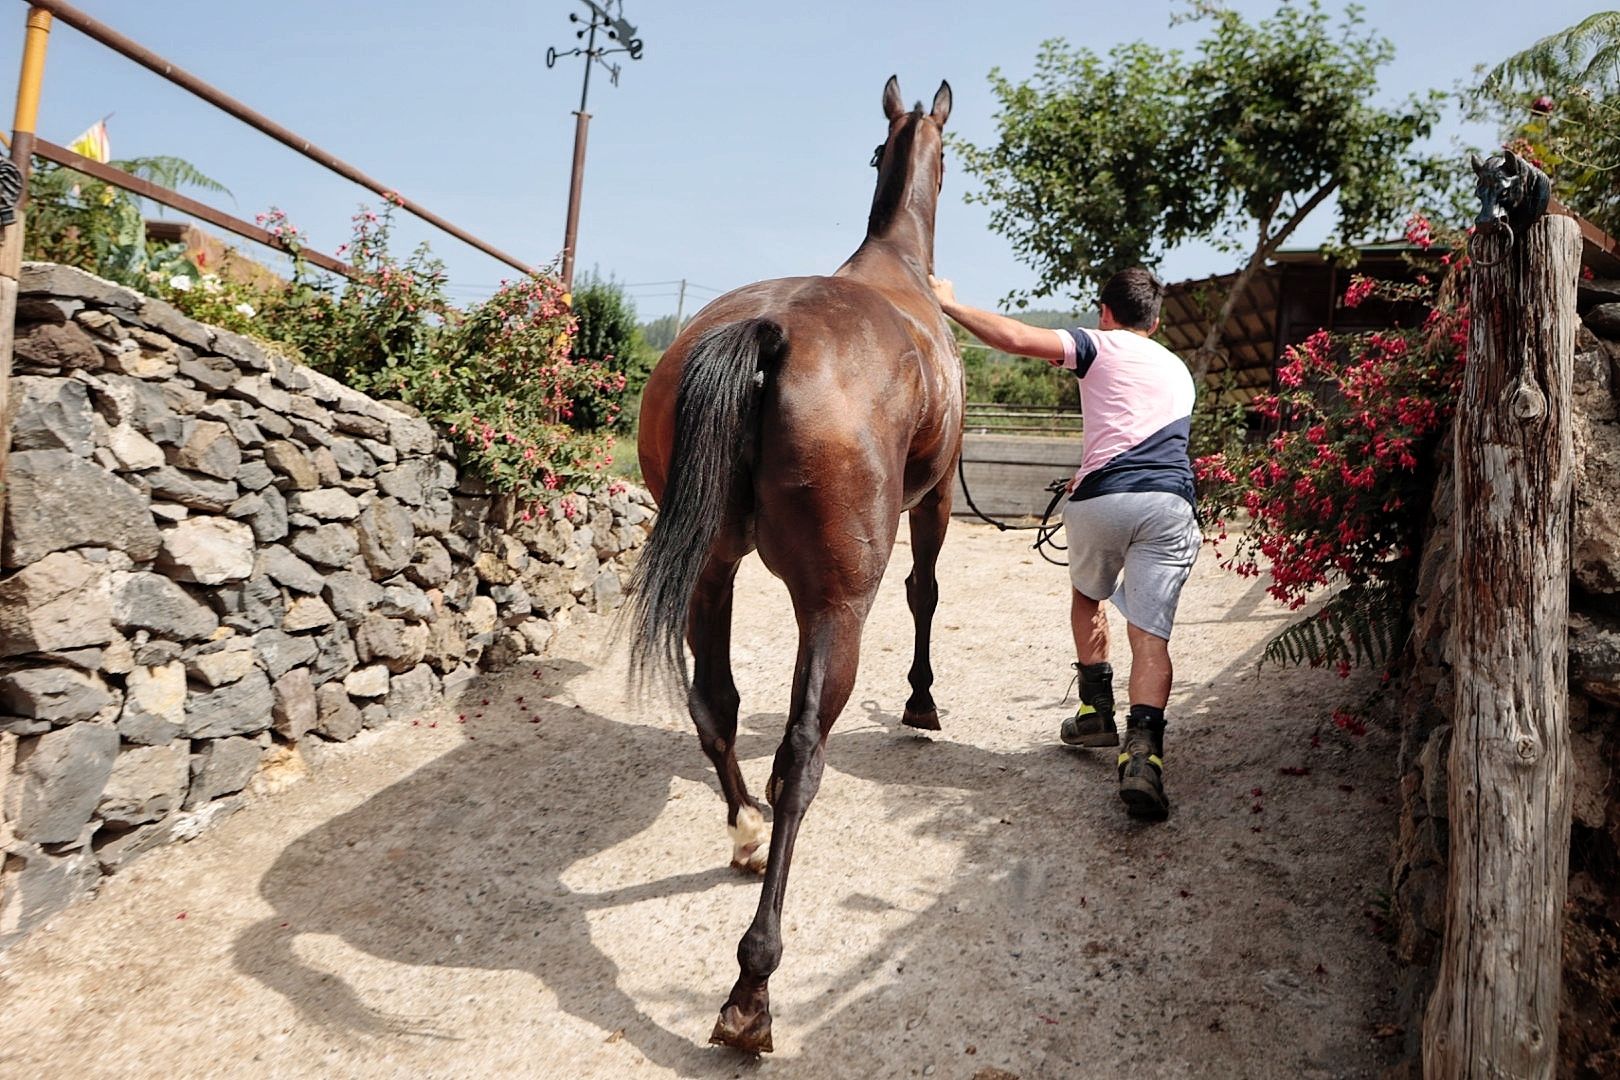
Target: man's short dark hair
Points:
(1134, 297)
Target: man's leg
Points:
(1141, 759)
(1151, 671)
(1156, 567)
(1090, 626)
(1098, 540)
(1093, 723)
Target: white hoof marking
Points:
(750, 840)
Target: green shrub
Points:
(1336, 496)
(77, 220)
(607, 334)
(527, 415)
(503, 383)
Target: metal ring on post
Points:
(1501, 227)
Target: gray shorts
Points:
(1150, 536)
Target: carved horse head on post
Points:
(1512, 194)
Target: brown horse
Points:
(801, 417)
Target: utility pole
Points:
(608, 18)
(680, 306)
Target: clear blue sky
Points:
(736, 149)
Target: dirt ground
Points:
(543, 891)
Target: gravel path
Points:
(542, 890)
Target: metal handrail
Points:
(112, 39)
(145, 188)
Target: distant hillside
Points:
(1053, 319)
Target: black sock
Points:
(1147, 714)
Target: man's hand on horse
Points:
(944, 291)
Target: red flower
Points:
(1347, 722)
(1419, 231)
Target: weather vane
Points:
(608, 17)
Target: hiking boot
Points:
(1141, 765)
(1093, 723)
(1089, 727)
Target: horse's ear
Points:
(1510, 163)
(893, 107)
(942, 103)
(1479, 166)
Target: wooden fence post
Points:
(1494, 1011)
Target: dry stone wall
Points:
(1419, 886)
(216, 561)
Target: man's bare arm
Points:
(999, 331)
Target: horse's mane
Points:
(892, 181)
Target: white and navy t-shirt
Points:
(1137, 400)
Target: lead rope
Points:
(1044, 532)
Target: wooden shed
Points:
(1301, 291)
(1296, 294)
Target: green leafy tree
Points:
(1095, 170)
(660, 333)
(608, 335)
(607, 320)
(997, 377)
(1555, 103)
(1102, 165)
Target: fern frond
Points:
(1362, 624)
(1572, 55)
(172, 172)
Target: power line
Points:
(677, 281)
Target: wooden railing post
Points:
(1494, 1012)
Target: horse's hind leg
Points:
(713, 702)
(928, 521)
(829, 649)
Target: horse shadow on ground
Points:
(462, 864)
(1052, 946)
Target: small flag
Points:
(93, 143)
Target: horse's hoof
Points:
(750, 841)
(751, 1036)
(752, 862)
(926, 721)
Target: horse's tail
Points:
(714, 424)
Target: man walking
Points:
(1130, 511)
